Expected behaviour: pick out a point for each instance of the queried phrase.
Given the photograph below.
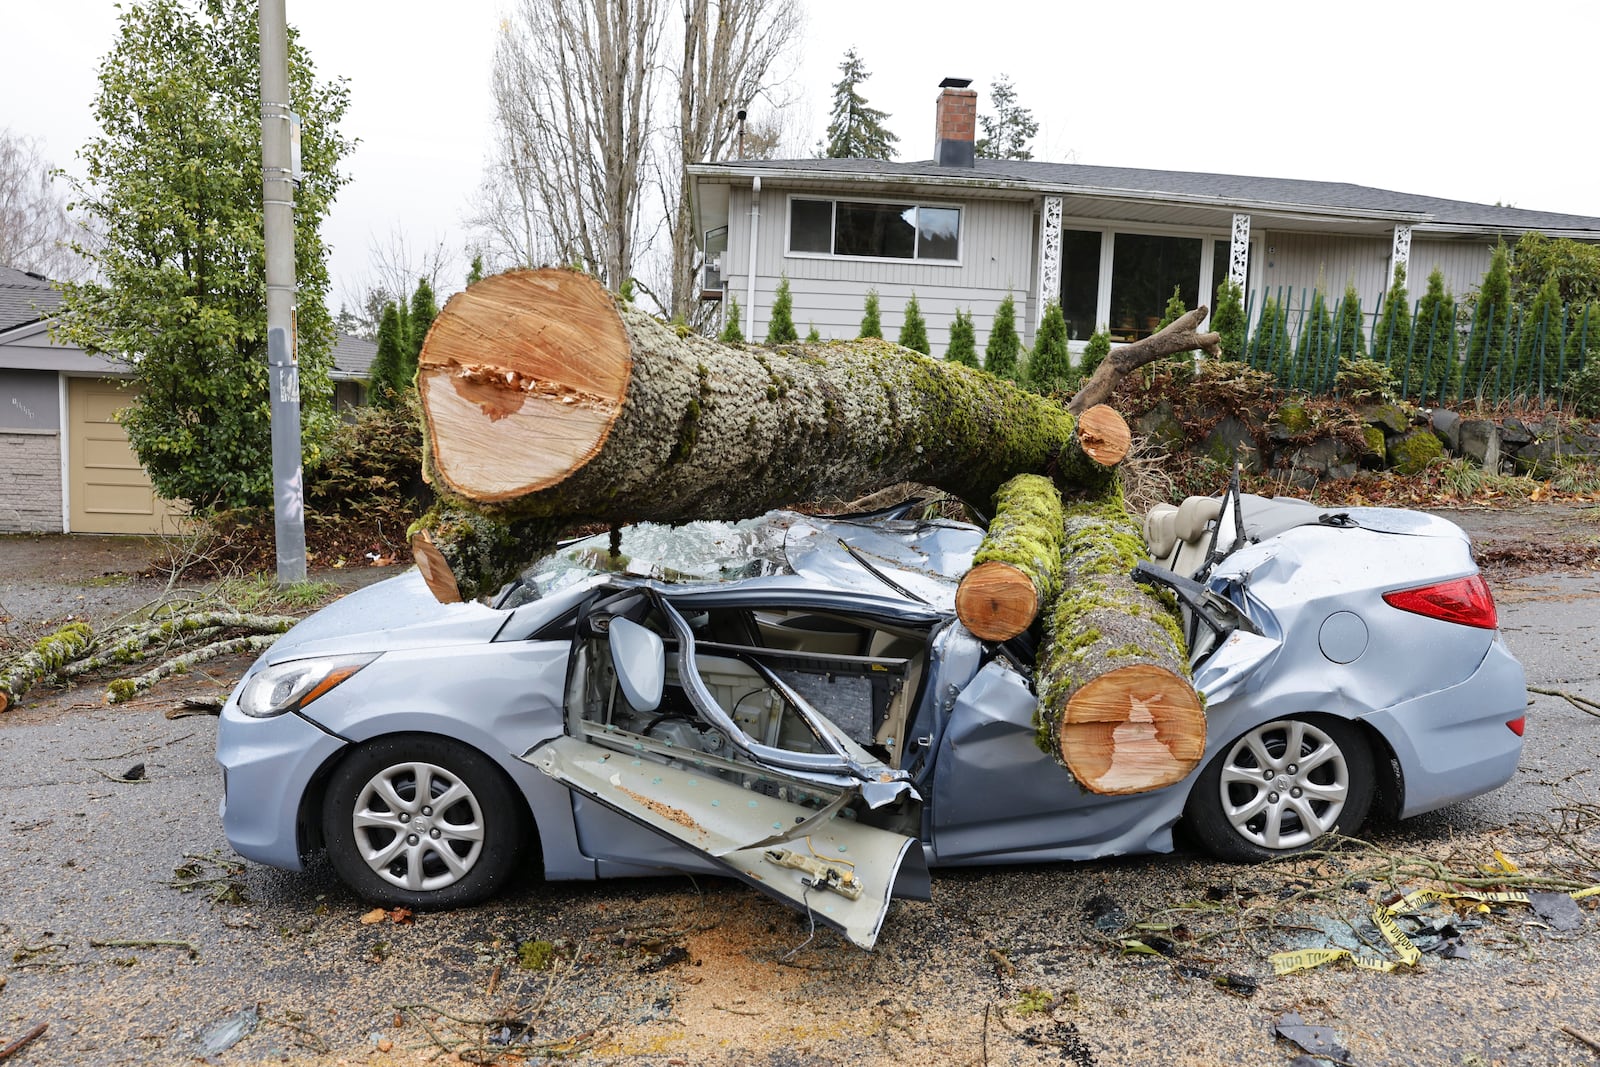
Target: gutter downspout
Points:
(750, 265)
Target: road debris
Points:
(24, 1041)
(228, 1031)
(1319, 1041)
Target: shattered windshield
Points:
(693, 552)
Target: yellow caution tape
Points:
(1505, 864)
(1384, 917)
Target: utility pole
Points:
(278, 124)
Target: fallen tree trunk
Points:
(1017, 568)
(547, 405)
(1116, 703)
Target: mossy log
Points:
(1017, 568)
(45, 658)
(548, 405)
(1117, 706)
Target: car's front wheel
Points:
(1281, 787)
(422, 821)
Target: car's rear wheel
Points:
(1281, 787)
(422, 821)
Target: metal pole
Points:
(283, 370)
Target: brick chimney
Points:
(955, 123)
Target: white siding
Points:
(997, 254)
(1462, 262)
(1306, 261)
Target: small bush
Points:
(870, 326)
(914, 330)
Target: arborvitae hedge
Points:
(963, 343)
(913, 330)
(870, 326)
(780, 327)
(1000, 354)
(1050, 363)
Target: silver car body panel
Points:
(1437, 694)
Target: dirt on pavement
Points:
(130, 929)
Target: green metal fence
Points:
(1495, 355)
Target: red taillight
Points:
(1465, 600)
(1517, 725)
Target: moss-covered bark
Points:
(1116, 704)
(45, 658)
(706, 430)
(1017, 568)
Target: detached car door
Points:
(700, 740)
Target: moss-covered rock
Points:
(1391, 416)
(1411, 453)
(1289, 421)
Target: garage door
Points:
(108, 489)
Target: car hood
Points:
(395, 613)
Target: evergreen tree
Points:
(1004, 346)
(1314, 345)
(1050, 363)
(1347, 332)
(475, 274)
(1432, 330)
(963, 341)
(731, 334)
(1583, 338)
(626, 292)
(812, 336)
(1541, 341)
(1098, 348)
(855, 130)
(780, 326)
(1170, 314)
(870, 326)
(1391, 340)
(423, 311)
(1486, 347)
(384, 384)
(1008, 133)
(913, 330)
(1269, 345)
(1228, 319)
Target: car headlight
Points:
(292, 685)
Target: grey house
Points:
(65, 464)
(1110, 243)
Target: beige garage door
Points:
(109, 490)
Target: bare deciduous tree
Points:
(730, 49)
(36, 232)
(574, 83)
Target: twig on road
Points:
(23, 1042)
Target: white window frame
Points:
(835, 198)
(1108, 239)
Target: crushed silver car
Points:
(791, 701)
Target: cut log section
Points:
(1017, 568)
(1116, 704)
(547, 405)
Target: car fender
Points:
(508, 701)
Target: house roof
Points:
(1242, 192)
(25, 297)
(352, 358)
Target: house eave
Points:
(1022, 188)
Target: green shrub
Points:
(1228, 320)
(1050, 364)
(731, 334)
(780, 327)
(870, 326)
(1004, 347)
(1098, 348)
(963, 344)
(913, 329)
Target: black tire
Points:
(460, 854)
(1249, 820)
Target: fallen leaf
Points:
(376, 915)
(399, 915)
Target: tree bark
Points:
(1017, 568)
(1180, 335)
(547, 406)
(1116, 704)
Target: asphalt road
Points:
(128, 928)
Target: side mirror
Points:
(640, 659)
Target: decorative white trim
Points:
(1239, 252)
(1400, 255)
(1049, 256)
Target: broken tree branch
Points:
(1180, 335)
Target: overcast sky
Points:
(1466, 105)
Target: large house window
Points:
(1080, 281)
(874, 229)
(1144, 271)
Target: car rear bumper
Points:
(267, 765)
(1454, 743)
